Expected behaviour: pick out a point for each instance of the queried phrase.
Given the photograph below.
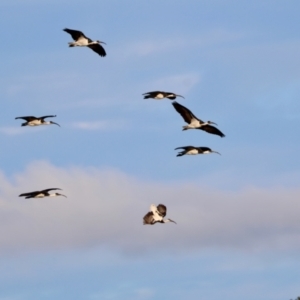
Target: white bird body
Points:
(192, 152)
(156, 215)
(49, 195)
(39, 196)
(159, 96)
(82, 42)
(34, 123)
(195, 123)
(37, 123)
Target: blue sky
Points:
(237, 64)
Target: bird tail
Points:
(71, 44)
(147, 97)
(24, 124)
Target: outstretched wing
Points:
(162, 210)
(153, 93)
(47, 190)
(28, 119)
(186, 114)
(44, 117)
(98, 49)
(212, 130)
(185, 148)
(29, 194)
(76, 34)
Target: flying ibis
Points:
(82, 41)
(41, 194)
(34, 121)
(161, 95)
(194, 122)
(156, 215)
(191, 150)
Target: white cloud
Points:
(101, 125)
(180, 83)
(106, 207)
(210, 38)
(18, 130)
(49, 83)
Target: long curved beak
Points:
(63, 195)
(102, 42)
(214, 123)
(55, 123)
(180, 96)
(216, 152)
(172, 221)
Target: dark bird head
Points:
(51, 122)
(210, 122)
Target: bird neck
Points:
(93, 43)
(204, 124)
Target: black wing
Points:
(47, 190)
(185, 148)
(162, 209)
(76, 34)
(212, 130)
(186, 114)
(154, 93)
(28, 119)
(98, 49)
(44, 117)
(30, 194)
(148, 218)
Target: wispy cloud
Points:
(18, 130)
(210, 38)
(106, 207)
(48, 82)
(104, 125)
(180, 83)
